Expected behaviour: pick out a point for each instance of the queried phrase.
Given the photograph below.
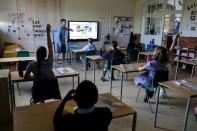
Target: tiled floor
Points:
(168, 120)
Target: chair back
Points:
(160, 76)
(23, 53)
(92, 52)
(45, 89)
(132, 54)
(23, 64)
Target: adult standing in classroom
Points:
(62, 34)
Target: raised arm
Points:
(68, 29)
(49, 42)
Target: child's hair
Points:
(115, 44)
(63, 20)
(134, 38)
(160, 55)
(90, 40)
(41, 54)
(86, 94)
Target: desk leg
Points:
(73, 82)
(186, 113)
(193, 71)
(138, 57)
(134, 121)
(11, 92)
(13, 95)
(111, 81)
(71, 57)
(157, 105)
(85, 69)
(78, 79)
(94, 71)
(121, 87)
(177, 66)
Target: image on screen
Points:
(82, 30)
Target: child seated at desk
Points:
(86, 117)
(151, 46)
(115, 57)
(133, 47)
(42, 68)
(89, 47)
(159, 62)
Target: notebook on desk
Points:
(63, 70)
(128, 67)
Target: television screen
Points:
(82, 30)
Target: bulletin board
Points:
(121, 25)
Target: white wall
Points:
(138, 15)
(186, 21)
(99, 10)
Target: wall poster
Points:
(122, 24)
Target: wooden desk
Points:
(144, 54)
(124, 69)
(39, 117)
(186, 61)
(16, 59)
(180, 90)
(15, 78)
(94, 58)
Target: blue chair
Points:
(23, 53)
(72, 47)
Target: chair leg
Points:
(138, 93)
(167, 98)
(19, 90)
(151, 109)
(31, 101)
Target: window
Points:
(153, 26)
(173, 5)
(154, 8)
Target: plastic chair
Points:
(160, 76)
(132, 55)
(45, 89)
(23, 53)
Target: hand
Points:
(48, 27)
(71, 30)
(70, 95)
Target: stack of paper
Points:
(63, 70)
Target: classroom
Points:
(98, 65)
